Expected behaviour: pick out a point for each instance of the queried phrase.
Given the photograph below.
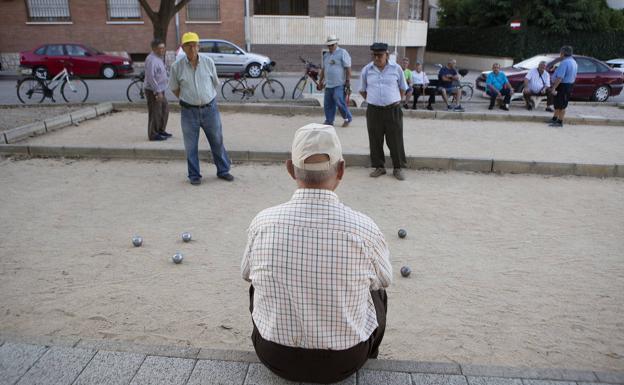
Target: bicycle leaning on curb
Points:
(36, 87)
(311, 73)
(135, 92)
(239, 88)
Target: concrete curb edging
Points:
(54, 123)
(294, 109)
(353, 160)
(250, 357)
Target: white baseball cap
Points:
(313, 139)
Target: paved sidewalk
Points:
(79, 362)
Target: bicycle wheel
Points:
(300, 87)
(135, 92)
(30, 90)
(273, 89)
(74, 90)
(233, 89)
(466, 91)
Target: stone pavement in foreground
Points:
(44, 361)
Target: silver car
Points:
(230, 58)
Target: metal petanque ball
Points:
(177, 258)
(137, 241)
(402, 233)
(406, 271)
(186, 237)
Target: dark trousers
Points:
(528, 94)
(157, 114)
(419, 90)
(317, 365)
(506, 92)
(385, 122)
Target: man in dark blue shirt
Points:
(448, 84)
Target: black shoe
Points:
(558, 123)
(529, 107)
(491, 107)
(195, 181)
(166, 134)
(504, 107)
(552, 120)
(228, 177)
(549, 109)
(429, 107)
(158, 138)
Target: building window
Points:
(48, 10)
(415, 9)
(341, 8)
(123, 9)
(281, 7)
(203, 10)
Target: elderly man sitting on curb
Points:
(537, 83)
(317, 270)
(498, 87)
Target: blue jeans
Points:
(335, 97)
(209, 120)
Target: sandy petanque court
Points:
(514, 270)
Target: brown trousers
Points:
(318, 365)
(157, 114)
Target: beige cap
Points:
(313, 139)
(331, 39)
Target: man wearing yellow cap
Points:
(195, 82)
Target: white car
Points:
(616, 64)
(230, 58)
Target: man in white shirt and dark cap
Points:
(318, 270)
(383, 85)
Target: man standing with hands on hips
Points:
(194, 81)
(335, 77)
(383, 86)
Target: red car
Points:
(83, 60)
(595, 80)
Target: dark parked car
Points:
(83, 60)
(595, 80)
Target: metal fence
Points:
(203, 10)
(48, 10)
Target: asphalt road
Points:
(101, 90)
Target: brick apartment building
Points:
(281, 29)
(110, 25)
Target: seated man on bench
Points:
(448, 84)
(537, 83)
(421, 86)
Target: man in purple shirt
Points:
(155, 84)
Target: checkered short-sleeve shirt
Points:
(313, 262)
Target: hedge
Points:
(501, 41)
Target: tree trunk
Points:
(160, 20)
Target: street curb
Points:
(440, 368)
(352, 160)
(287, 108)
(54, 123)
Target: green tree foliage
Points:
(552, 16)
